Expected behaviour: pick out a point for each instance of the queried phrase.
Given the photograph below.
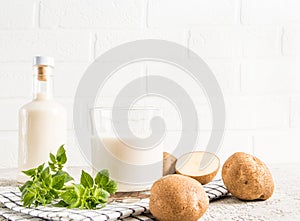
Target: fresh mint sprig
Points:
(90, 192)
(57, 162)
(51, 184)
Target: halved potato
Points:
(200, 165)
(169, 164)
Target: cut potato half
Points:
(169, 164)
(200, 165)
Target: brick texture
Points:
(63, 45)
(91, 14)
(15, 14)
(270, 12)
(252, 47)
(197, 12)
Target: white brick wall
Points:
(22, 45)
(291, 41)
(277, 146)
(261, 41)
(295, 112)
(196, 12)
(270, 12)
(91, 14)
(252, 46)
(22, 16)
(15, 80)
(217, 42)
(278, 76)
(107, 40)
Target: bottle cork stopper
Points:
(42, 73)
(43, 63)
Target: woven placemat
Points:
(122, 206)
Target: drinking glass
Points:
(131, 163)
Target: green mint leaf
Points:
(101, 194)
(28, 199)
(86, 180)
(54, 193)
(52, 158)
(58, 181)
(47, 182)
(40, 168)
(105, 172)
(63, 159)
(45, 173)
(102, 178)
(61, 156)
(61, 203)
(46, 178)
(80, 192)
(31, 172)
(61, 150)
(27, 184)
(111, 187)
(69, 197)
(79, 189)
(52, 166)
(67, 176)
(77, 204)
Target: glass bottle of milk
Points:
(42, 122)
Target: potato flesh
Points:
(191, 164)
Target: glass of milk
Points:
(133, 161)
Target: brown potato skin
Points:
(247, 177)
(176, 198)
(169, 164)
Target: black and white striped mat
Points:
(11, 208)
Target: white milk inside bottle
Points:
(42, 122)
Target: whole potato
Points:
(247, 178)
(177, 198)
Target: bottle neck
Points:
(43, 82)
